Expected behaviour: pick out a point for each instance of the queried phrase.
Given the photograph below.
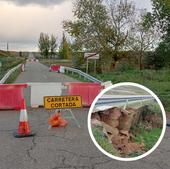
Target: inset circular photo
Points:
(127, 121)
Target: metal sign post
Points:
(95, 66)
(87, 66)
(0, 66)
(91, 56)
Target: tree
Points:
(142, 37)
(161, 15)
(53, 45)
(47, 45)
(122, 17)
(44, 44)
(90, 30)
(162, 54)
(101, 27)
(160, 18)
(65, 49)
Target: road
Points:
(61, 148)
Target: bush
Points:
(123, 66)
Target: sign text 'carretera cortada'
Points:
(62, 102)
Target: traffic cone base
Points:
(17, 135)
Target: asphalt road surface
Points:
(61, 148)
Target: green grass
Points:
(149, 137)
(157, 81)
(154, 107)
(2, 73)
(9, 60)
(103, 142)
(77, 76)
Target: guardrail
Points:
(9, 73)
(105, 103)
(81, 73)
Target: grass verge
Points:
(13, 76)
(103, 142)
(77, 77)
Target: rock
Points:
(125, 140)
(105, 112)
(131, 148)
(112, 123)
(96, 123)
(115, 113)
(95, 116)
(104, 117)
(110, 130)
(116, 141)
(124, 132)
(127, 119)
(111, 116)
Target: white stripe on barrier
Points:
(40, 90)
(62, 69)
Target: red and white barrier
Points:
(11, 96)
(88, 91)
(55, 68)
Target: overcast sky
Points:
(21, 21)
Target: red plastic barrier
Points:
(88, 91)
(55, 68)
(11, 96)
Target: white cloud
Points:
(31, 2)
(23, 20)
(25, 24)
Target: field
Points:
(157, 81)
(49, 62)
(9, 60)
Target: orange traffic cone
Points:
(24, 128)
(57, 121)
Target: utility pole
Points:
(7, 47)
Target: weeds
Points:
(149, 137)
(103, 142)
